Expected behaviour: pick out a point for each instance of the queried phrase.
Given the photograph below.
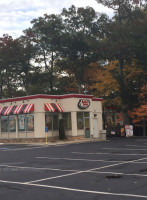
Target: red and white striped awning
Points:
(53, 107)
(15, 110)
(7, 110)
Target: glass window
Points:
(80, 123)
(48, 121)
(12, 124)
(55, 122)
(30, 122)
(67, 120)
(4, 123)
(87, 125)
(51, 121)
(26, 122)
(86, 114)
(21, 123)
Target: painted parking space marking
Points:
(75, 190)
(67, 170)
(60, 180)
(124, 149)
(77, 159)
(79, 172)
(38, 168)
(101, 153)
(4, 148)
(26, 148)
(125, 174)
(87, 160)
(134, 146)
(55, 177)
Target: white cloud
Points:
(16, 15)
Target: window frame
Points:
(25, 121)
(66, 120)
(84, 115)
(52, 121)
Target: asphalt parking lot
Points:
(115, 169)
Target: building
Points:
(38, 116)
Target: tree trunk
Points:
(79, 88)
(27, 84)
(123, 92)
(144, 128)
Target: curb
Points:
(57, 142)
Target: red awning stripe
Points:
(11, 112)
(15, 110)
(53, 107)
(59, 107)
(8, 110)
(29, 108)
(1, 110)
(49, 107)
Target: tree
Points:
(139, 35)
(8, 58)
(78, 51)
(139, 114)
(47, 32)
(103, 81)
(123, 5)
(119, 40)
(25, 60)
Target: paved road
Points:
(115, 169)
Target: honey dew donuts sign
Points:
(83, 103)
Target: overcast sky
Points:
(15, 15)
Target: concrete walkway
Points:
(58, 142)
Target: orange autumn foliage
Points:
(102, 83)
(103, 80)
(140, 113)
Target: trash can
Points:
(103, 134)
(87, 133)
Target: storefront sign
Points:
(83, 103)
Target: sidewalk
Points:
(62, 142)
(57, 142)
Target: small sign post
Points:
(46, 130)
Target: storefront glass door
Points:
(87, 127)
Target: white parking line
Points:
(101, 153)
(75, 190)
(124, 149)
(26, 148)
(99, 172)
(54, 177)
(77, 159)
(38, 168)
(79, 172)
(134, 146)
(88, 160)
